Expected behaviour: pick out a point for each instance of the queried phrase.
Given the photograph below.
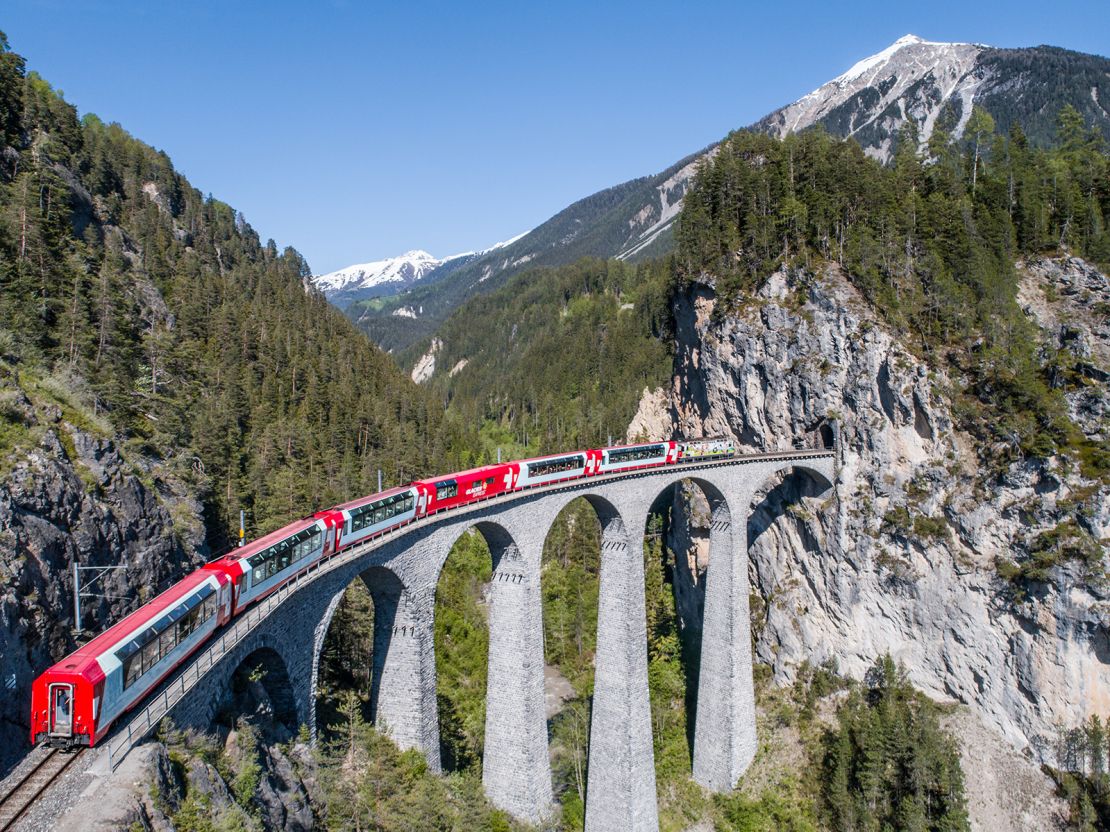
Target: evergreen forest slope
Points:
(180, 331)
(161, 369)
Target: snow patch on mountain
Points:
(659, 216)
(406, 268)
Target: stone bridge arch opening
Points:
(261, 691)
(689, 523)
(569, 586)
(783, 524)
(345, 662)
(474, 586)
(367, 650)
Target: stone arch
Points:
(264, 675)
(785, 487)
(781, 531)
(401, 659)
(515, 764)
(614, 533)
(710, 537)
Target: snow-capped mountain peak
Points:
(391, 275)
(911, 78)
(406, 268)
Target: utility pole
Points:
(379, 480)
(79, 590)
(499, 456)
(242, 527)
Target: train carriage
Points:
(368, 516)
(263, 565)
(76, 700)
(464, 487)
(695, 450)
(548, 469)
(629, 457)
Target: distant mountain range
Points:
(912, 78)
(381, 278)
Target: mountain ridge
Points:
(381, 278)
(912, 77)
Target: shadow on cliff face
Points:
(791, 489)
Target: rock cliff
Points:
(75, 496)
(905, 558)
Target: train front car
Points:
(629, 457)
(696, 450)
(464, 487)
(372, 515)
(263, 565)
(75, 702)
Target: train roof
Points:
(637, 445)
(553, 456)
(370, 498)
(458, 475)
(137, 620)
(270, 539)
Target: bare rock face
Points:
(74, 497)
(903, 558)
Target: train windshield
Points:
(62, 702)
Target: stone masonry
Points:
(402, 575)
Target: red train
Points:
(77, 700)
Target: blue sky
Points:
(355, 131)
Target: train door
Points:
(61, 710)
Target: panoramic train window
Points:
(142, 653)
(634, 454)
(379, 511)
(446, 489)
(284, 554)
(556, 466)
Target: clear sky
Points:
(356, 130)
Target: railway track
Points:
(31, 785)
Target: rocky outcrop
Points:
(904, 558)
(247, 772)
(75, 497)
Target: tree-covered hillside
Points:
(597, 226)
(931, 241)
(178, 330)
(558, 358)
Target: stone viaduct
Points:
(286, 635)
